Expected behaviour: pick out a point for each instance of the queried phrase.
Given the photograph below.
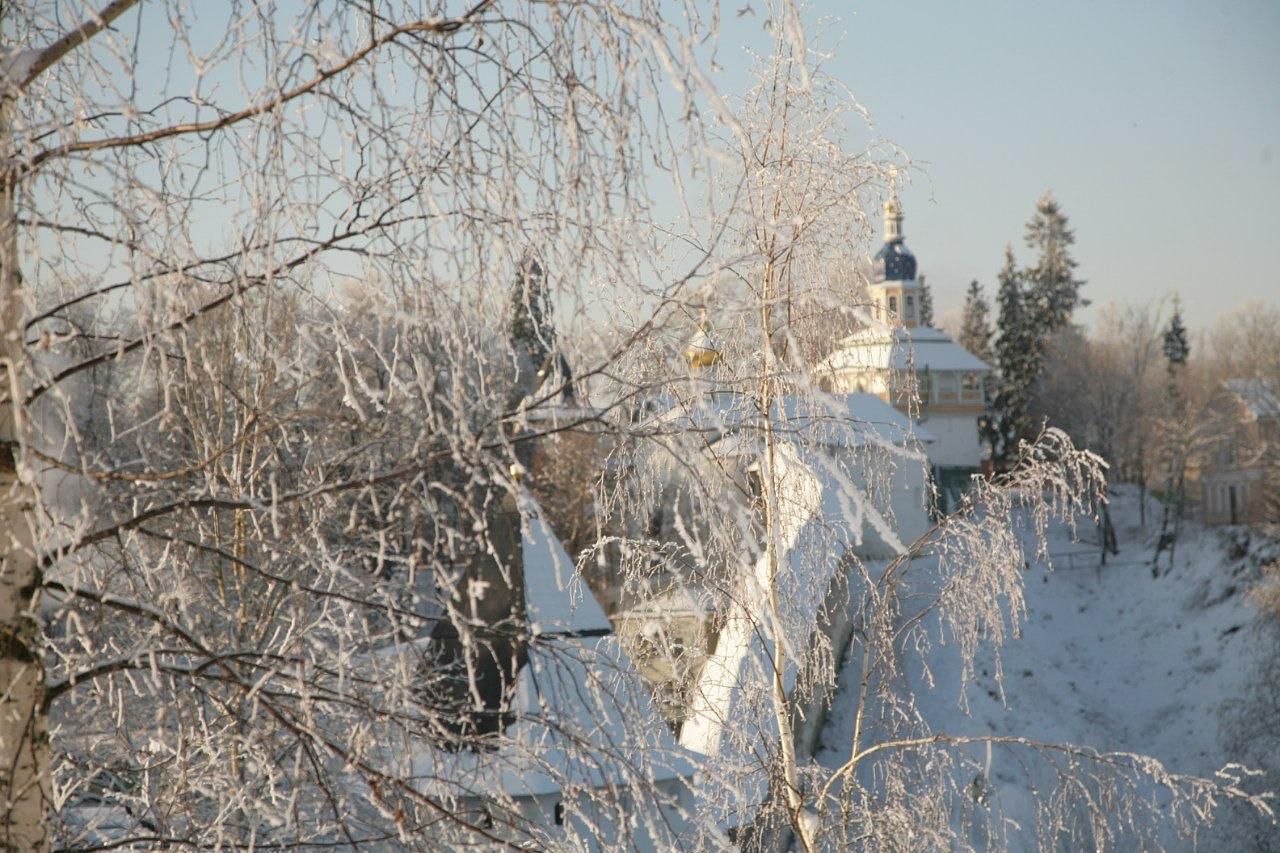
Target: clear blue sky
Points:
(1156, 124)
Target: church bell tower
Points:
(895, 291)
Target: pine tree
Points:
(1176, 346)
(530, 308)
(532, 335)
(1019, 356)
(1175, 444)
(975, 325)
(926, 304)
(1053, 290)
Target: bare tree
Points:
(1099, 386)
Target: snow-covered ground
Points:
(1110, 658)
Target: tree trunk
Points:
(1142, 493)
(24, 729)
(790, 781)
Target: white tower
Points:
(895, 291)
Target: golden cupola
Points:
(703, 351)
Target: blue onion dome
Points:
(894, 262)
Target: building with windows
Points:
(917, 369)
(1240, 478)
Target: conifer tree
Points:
(1019, 355)
(1053, 291)
(1176, 346)
(926, 304)
(975, 324)
(1175, 441)
(530, 328)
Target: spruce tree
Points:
(1176, 346)
(1019, 355)
(530, 307)
(532, 335)
(1053, 290)
(1175, 445)
(975, 324)
(926, 304)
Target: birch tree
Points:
(254, 267)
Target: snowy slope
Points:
(1110, 658)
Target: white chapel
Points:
(917, 369)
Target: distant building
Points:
(917, 369)
(879, 451)
(1239, 478)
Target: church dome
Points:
(703, 351)
(894, 262)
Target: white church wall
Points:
(957, 443)
(897, 488)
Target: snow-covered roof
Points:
(678, 601)
(584, 718)
(821, 513)
(557, 600)
(903, 349)
(848, 420)
(584, 711)
(583, 714)
(579, 686)
(1257, 395)
(556, 400)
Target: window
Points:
(971, 388)
(948, 387)
(893, 305)
(559, 813)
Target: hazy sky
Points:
(1156, 124)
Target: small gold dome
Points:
(702, 351)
